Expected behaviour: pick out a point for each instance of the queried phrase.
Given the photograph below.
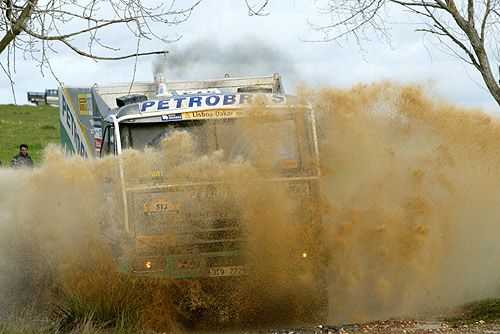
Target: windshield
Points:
(152, 135)
(273, 143)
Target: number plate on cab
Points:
(227, 271)
(161, 204)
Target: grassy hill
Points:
(35, 126)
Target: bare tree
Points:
(33, 27)
(469, 29)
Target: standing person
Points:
(22, 159)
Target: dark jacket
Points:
(20, 161)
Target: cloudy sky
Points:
(220, 37)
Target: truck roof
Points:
(269, 84)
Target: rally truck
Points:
(172, 227)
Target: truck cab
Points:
(166, 233)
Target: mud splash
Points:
(411, 186)
(407, 197)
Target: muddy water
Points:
(411, 186)
(408, 200)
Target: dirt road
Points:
(396, 326)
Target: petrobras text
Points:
(209, 101)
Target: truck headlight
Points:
(148, 264)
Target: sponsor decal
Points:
(188, 263)
(197, 91)
(98, 145)
(70, 123)
(172, 117)
(299, 189)
(83, 104)
(97, 136)
(208, 101)
(209, 114)
(97, 127)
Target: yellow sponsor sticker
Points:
(82, 104)
(211, 114)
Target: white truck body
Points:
(93, 123)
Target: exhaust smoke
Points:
(248, 55)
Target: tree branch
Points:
(485, 19)
(455, 40)
(19, 24)
(470, 13)
(258, 12)
(416, 4)
(88, 55)
(76, 33)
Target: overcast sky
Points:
(221, 38)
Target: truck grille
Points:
(220, 230)
(186, 226)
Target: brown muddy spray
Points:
(408, 201)
(411, 186)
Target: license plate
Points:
(227, 271)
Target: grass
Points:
(486, 310)
(102, 299)
(30, 322)
(104, 302)
(119, 303)
(35, 126)
(100, 303)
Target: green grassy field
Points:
(35, 126)
(486, 310)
